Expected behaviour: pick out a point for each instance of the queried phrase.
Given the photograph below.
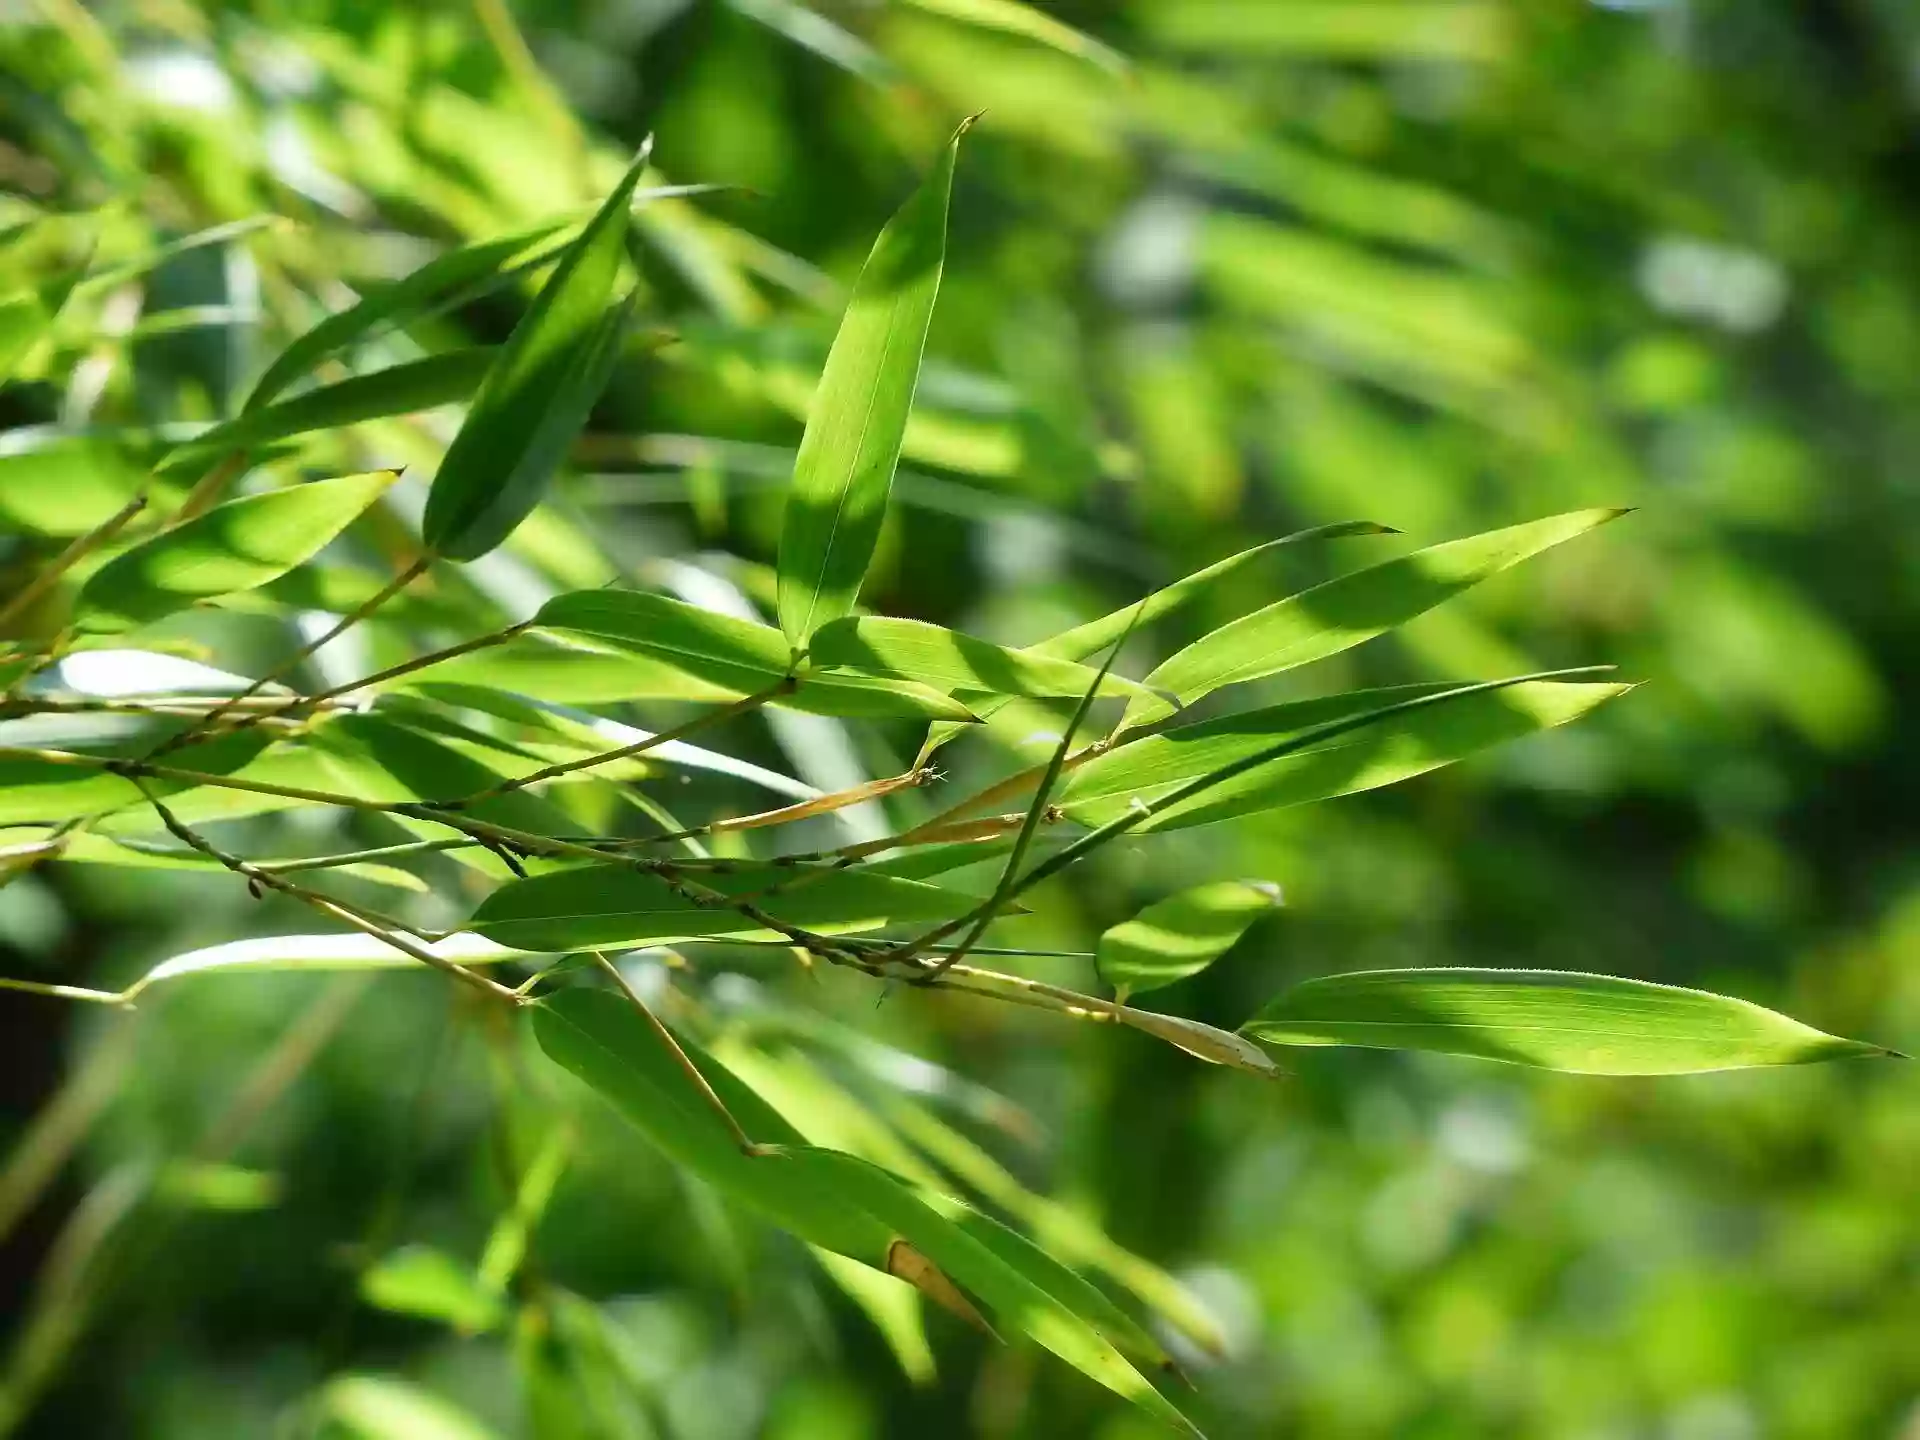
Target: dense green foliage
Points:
(405, 404)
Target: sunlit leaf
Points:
(733, 657)
(937, 656)
(1182, 935)
(844, 470)
(430, 1284)
(1587, 1024)
(536, 397)
(1014, 18)
(235, 546)
(1396, 749)
(67, 486)
(380, 1407)
(615, 905)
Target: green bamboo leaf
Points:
(952, 660)
(1585, 1024)
(462, 273)
(616, 905)
(612, 1049)
(1094, 636)
(397, 390)
(1345, 612)
(1025, 1289)
(1089, 639)
(430, 1284)
(536, 397)
(1147, 770)
(380, 1407)
(730, 656)
(1182, 935)
(1013, 18)
(68, 486)
(236, 546)
(844, 471)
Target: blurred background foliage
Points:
(1445, 264)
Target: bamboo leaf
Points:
(1149, 769)
(617, 906)
(403, 389)
(464, 272)
(1182, 935)
(728, 656)
(1345, 612)
(1586, 1024)
(1013, 18)
(952, 660)
(537, 395)
(430, 1284)
(1025, 1289)
(235, 546)
(844, 471)
(380, 1407)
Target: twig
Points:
(68, 558)
(639, 747)
(685, 1061)
(380, 597)
(265, 878)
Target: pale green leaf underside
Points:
(1587, 1024)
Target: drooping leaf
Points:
(1023, 1287)
(1345, 612)
(947, 658)
(844, 471)
(1182, 935)
(85, 847)
(430, 1284)
(464, 271)
(733, 657)
(235, 546)
(1397, 749)
(615, 905)
(537, 394)
(402, 389)
(1586, 1024)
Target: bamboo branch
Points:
(51, 574)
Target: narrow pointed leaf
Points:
(1011, 17)
(1345, 612)
(730, 656)
(616, 905)
(952, 660)
(445, 379)
(466, 271)
(1024, 1289)
(1182, 935)
(236, 546)
(1149, 769)
(1558, 1020)
(537, 394)
(844, 471)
